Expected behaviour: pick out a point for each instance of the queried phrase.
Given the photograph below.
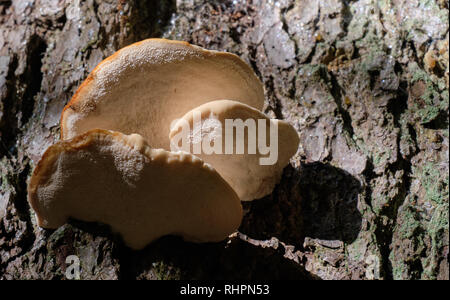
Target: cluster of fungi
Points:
(113, 164)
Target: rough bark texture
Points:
(364, 82)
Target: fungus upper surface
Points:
(142, 193)
(144, 87)
(243, 172)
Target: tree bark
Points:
(365, 83)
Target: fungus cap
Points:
(243, 172)
(142, 193)
(142, 88)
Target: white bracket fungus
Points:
(248, 149)
(142, 88)
(142, 193)
(99, 174)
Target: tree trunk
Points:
(364, 82)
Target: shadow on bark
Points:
(317, 201)
(151, 18)
(330, 199)
(172, 258)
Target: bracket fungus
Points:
(142, 88)
(142, 193)
(247, 149)
(98, 173)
